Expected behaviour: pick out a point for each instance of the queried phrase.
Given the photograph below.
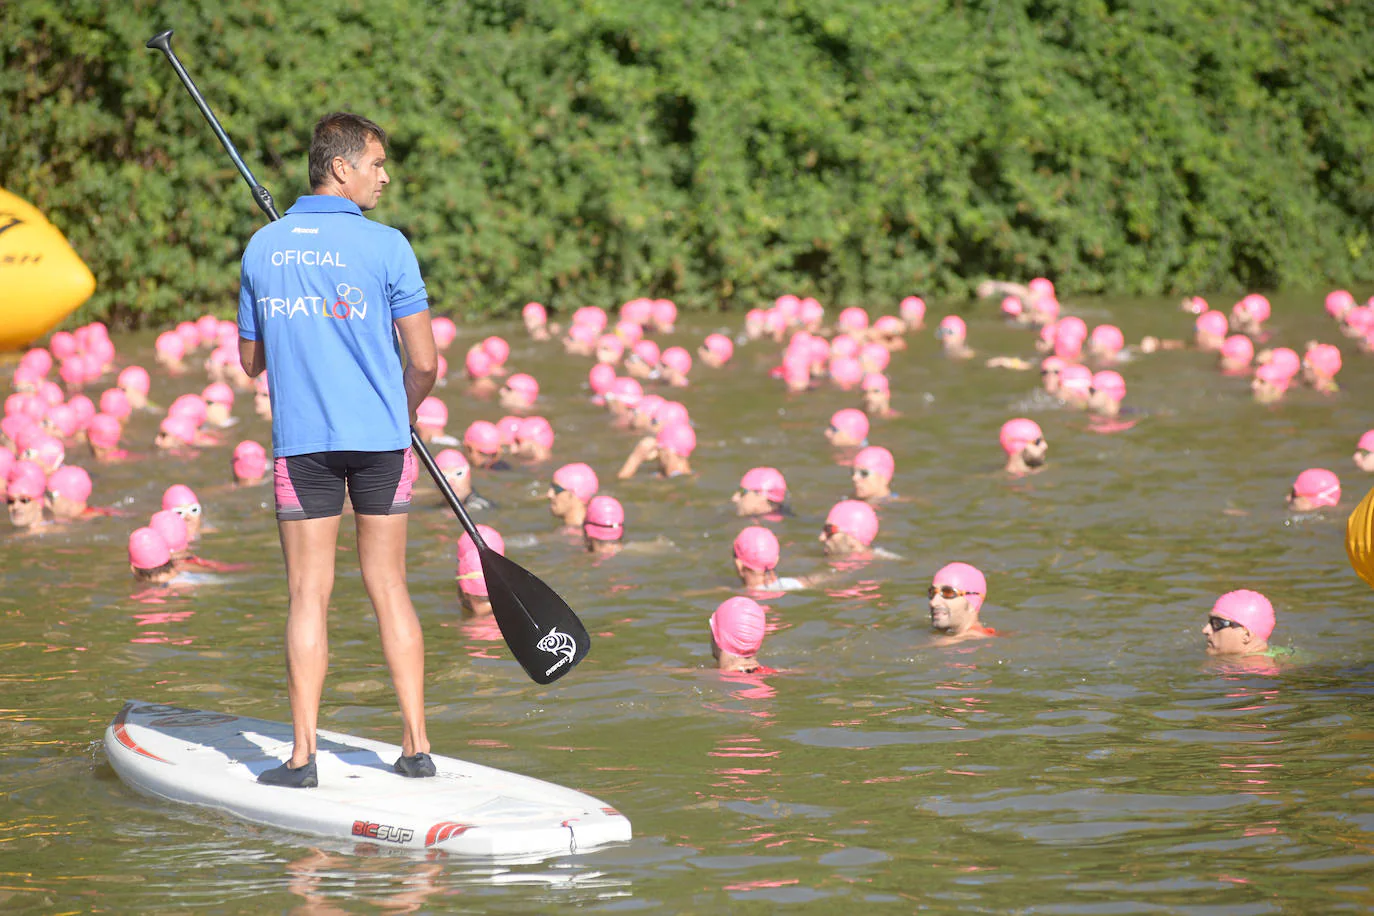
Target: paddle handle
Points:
(162, 41)
(442, 483)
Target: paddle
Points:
(543, 633)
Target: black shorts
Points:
(312, 485)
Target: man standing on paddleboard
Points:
(325, 292)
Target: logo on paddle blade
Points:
(556, 643)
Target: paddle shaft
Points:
(162, 41)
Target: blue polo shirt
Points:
(321, 287)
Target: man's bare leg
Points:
(382, 558)
(309, 546)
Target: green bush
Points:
(713, 151)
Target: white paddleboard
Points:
(213, 759)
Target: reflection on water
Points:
(1088, 759)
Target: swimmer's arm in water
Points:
(645, 449)
(1010, 362)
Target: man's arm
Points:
(422, 357)
(252, 357)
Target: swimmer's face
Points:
(167, 441)
(64, 508)
(461, 482)
(1265, 392)
(1049, 377)
(1225, 636)
(217, 413)
(510, 398)
(1099, 400)
(262, 405)
(839, 437)
(1300, 503)
(480, 459)
(868, 483)
(1074, 396)
(750, 502)
(838, 543)
(876, 400)
(953, 614)
(561, 501)
(191, 515)
(25, 511)
(1364, 459)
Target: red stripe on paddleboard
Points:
(122, 735)
(445, 830)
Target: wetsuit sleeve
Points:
(405, 290)
(248, 319)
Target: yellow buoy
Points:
(42, 280)
(1359, 538)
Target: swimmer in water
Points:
(675, 363)
(642, 360)
(519, 392)
(498, 351)
(573, 487)
(757, 552)
(482, 445)
(135, 382)
(1210, 331)
(848, 428)
(1075, 386)
(533, 440)
(1249, 314)
(430, 419)
(536, 320)
(472, 586)
(762, 492)
(1106, 393)
(957, 592)
(249, 464)
(219, 405)
(623, 397)
(953, 335)
(872, 475)
(1025, 445)
(1105, 344)
(478, 368)
(458, 473)
(103, 434)
(1050, 369)
(68, 489)
(877, 395)
(603, 528)
(1315, 488)
(849, 529)
(1240, 624)
(1236, 353)
(737, 629)
(1364, 452)
(716, 350)
(1319, 367)
(672, 448)
(1270, 383)
(26, 484)
(150, 559)
(170, 350)
(182, 500)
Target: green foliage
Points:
(713, 151)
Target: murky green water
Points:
(1088, 761)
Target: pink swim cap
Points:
(875, 356)
(1274, 375)
(179, 427)
(738, 626)
(605, 519)
(483, 437)
(843, 345)
(444, 331)
(757, 548)
(73, 371)
(877, 459)
(26, 433)
(535, 430)
(854, 518)
(207, 329)
(40, 360)
(665, 313)
(1110, 383)
(677, 359)
(810, 311)
(1042, 287)
(46, 451)
(1360, 319)
(670, 413)
(509, 428)
(648, 406)
(852, 422)
(26, 479)
(148, 549)
(767, 481)
(1256, 305)
(1324, 360)
(591, 315)
(719, 346)
(71, 482)
(179, 496)
(1319, 485)
(876, 382)
(431, 412)
(525, 386)
(1249, 609)
(626, 390)
(249, 447)
(64, 420)
(103, 431)
(1047, 333)
(218, 393)
(534, 313)
(1048, 307)
(967, 579)
(450, 460)
(62, 344)
(83, 408)
(115, 402)
(629, 332)
(186, 330)
(637, 311)
(678, 438)
(1286, 361)
(189, 406)
(170, 345)
(888, 326)
(1366, 441)
(1071, 327)
(1011, 306)
(249, 466)
(1238, 348)
(496, 348)
(912, 310)
(1213, 323)
(26, 378)
(952, 325)
(853, 319)
(647, 351)
(470, 578)
(172, 527)
(1017, 434)
(1073, 377)
(845, 371)
(601, 378)
(477, 363)
(1107, 338)
(578, 478)
(1338, 302)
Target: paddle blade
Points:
(543, 633)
